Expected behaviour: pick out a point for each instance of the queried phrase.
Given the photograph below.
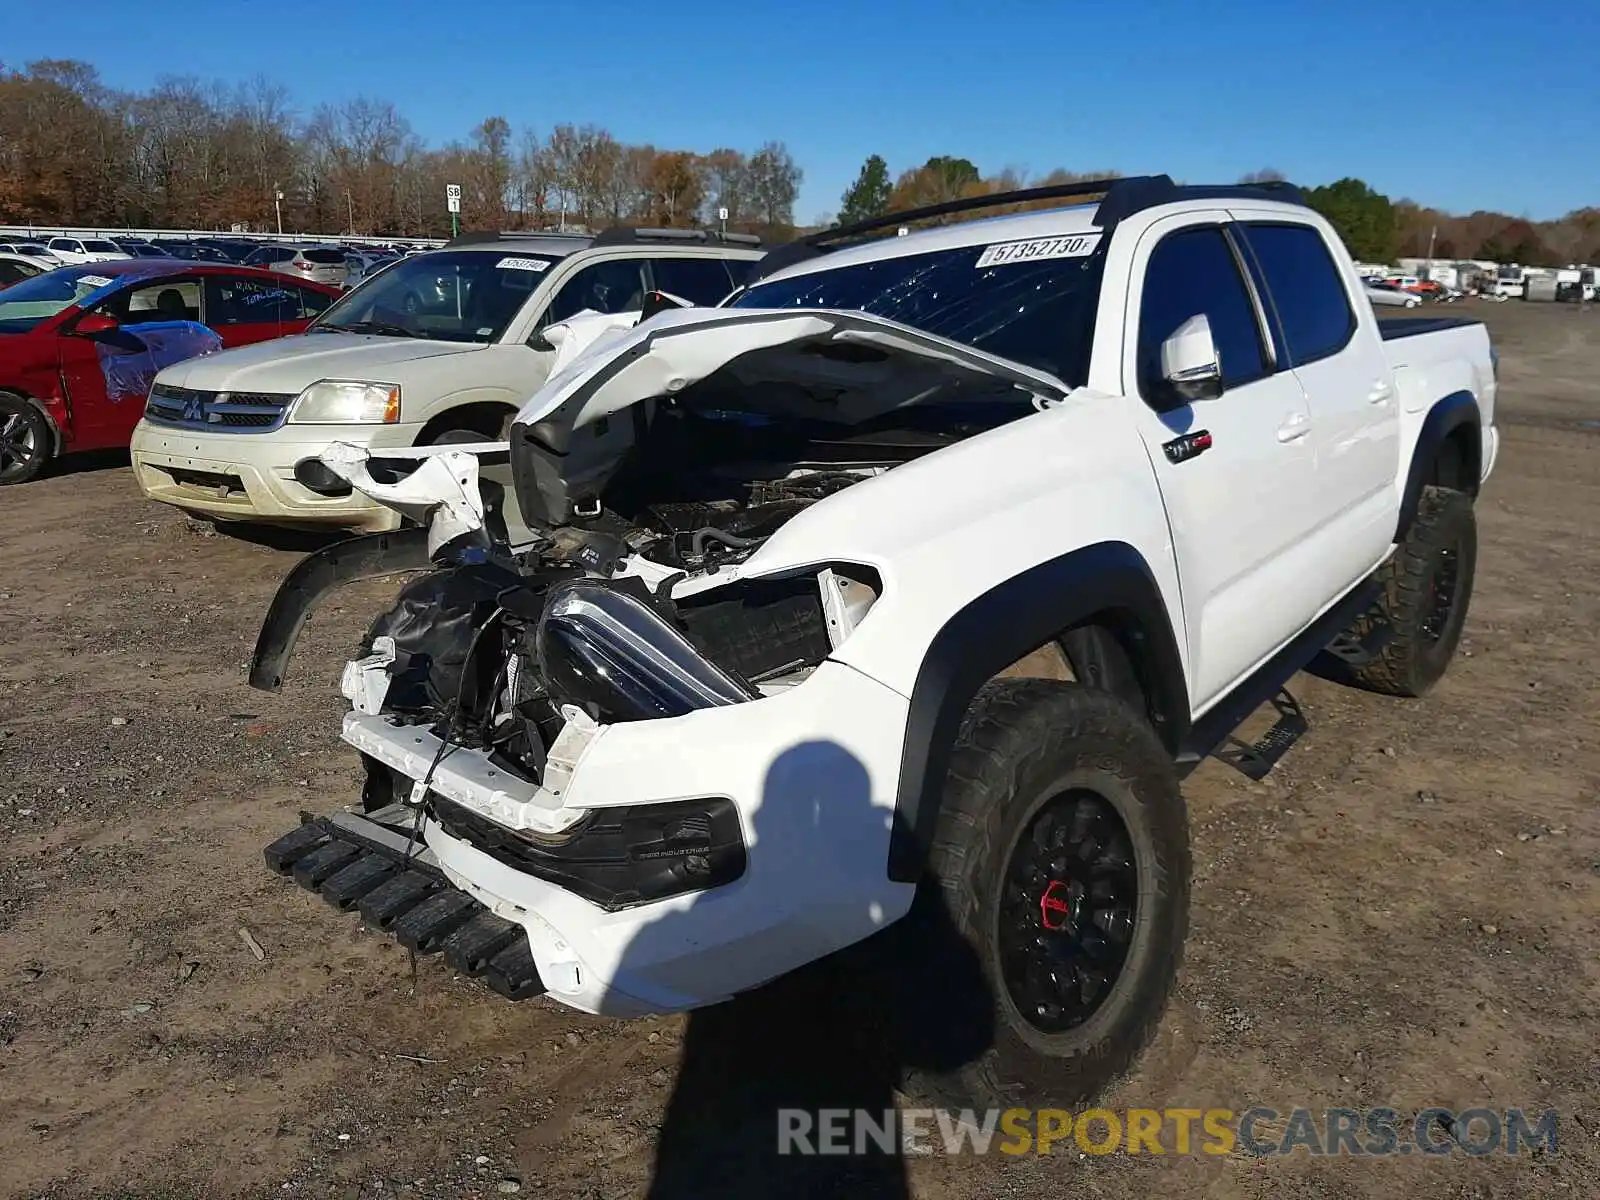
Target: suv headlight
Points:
(347, 402)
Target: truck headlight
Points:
(347, 402)
(600, 646)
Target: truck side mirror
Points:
(1190, 363)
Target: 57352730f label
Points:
(1077, 245)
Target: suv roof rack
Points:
(1122, 198)
(624, 235)
(486, 237)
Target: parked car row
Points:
(442, 347)
(339, 264)
(437, 348)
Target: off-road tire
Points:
(1022, 743)
(27, 443)
(1410, 661)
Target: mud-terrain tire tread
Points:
(1014, 729)
(1406, 665)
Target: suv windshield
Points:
(322, 256)
(452, 296)
(26, 304)
(1035, 311)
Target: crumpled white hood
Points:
(602, 366)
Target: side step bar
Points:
(360, 865)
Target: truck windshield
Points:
(1035, 311)
(452, 296)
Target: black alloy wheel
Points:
(1067, 910)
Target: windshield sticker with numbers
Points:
(522, 264)
(1078, 245)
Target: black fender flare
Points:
(1449, 414)
(1106, 579)
(313, 577)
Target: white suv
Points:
(76, 251)
(435, 348)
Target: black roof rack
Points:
(623, 235)
(488, 236)
(1122, 198)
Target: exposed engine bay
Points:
(497, 646)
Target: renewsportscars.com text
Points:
(1259, 1131)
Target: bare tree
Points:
(774, 186)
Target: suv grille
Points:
(233, 412)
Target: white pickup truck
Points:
(924, 567)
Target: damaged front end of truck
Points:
(620, 763)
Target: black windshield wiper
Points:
(378, 327)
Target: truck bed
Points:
(1404, 327)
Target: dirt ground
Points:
(1406, 913)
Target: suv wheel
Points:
(26, 444)
(1062, 857)
(1427, 586)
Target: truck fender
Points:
(1107, 581)
(1455, 418)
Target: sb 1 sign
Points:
(452, 197)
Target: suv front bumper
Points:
(250, 476)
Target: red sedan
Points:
(79, 345)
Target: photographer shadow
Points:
(840, 1033)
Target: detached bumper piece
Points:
(366, 871)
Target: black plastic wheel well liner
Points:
(313, 577)
(1108, 584)
(1451, 441)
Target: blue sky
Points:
(1460, 103)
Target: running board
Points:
(1255, 760)
(358, 864)
(1356, 653)
(1212, 729)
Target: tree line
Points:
(1374, 227)
(191, 154)
(188, 154)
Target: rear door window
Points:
(231, 300)
(607, 287)
(702, 281)
(1191, 272)
(1306, 287)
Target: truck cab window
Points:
(1306, 289)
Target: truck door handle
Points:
(1294, 428)
(1380, 392)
